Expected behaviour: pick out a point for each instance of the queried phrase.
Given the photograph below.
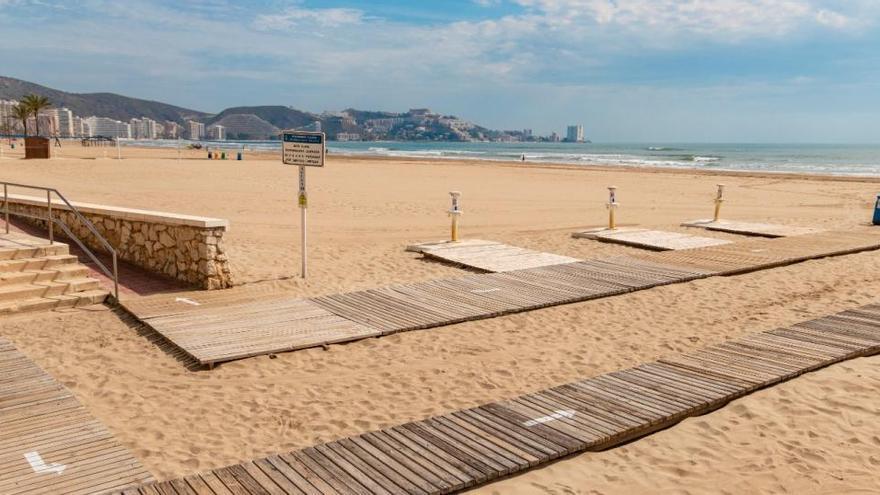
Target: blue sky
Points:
(629, 70)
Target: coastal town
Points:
(120, 121)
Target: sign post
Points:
(455, 212)
(612, 205)
(303, 149)
(719, 198)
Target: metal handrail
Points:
(51, 220)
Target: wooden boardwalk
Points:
(760, 254)
(448, 453)
(488, 256)
(222, 326)
(235, 331)
(657, 240)
(49, 443)
(751, 228)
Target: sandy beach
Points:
(815, 434)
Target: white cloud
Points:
(338, 53)
(295, 17)
(714, 19)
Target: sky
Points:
(628, 70)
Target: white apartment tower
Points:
(7, 120)
(103, 126)
(575, 133)
(196, 129)
(64, 120)
(217, 133)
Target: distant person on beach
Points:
(57, 142)
(523, 157)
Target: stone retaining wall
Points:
(183, 247)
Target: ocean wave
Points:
(662, 148)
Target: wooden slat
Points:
(489, 256)
(40, 417)
(649, 239)
(751, 228)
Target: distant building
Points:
(8, 123)
(527, 133)
(80, 127)
(144, 128)
(384, 124)
(196, 129)
(173, 130)
(575, 134)
(48, 123)
(217, 132)
(554, 137)
(348, 136)
(63, 118)
(106, 127)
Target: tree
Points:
(36, 104)
(22, 112)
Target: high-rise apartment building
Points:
(106, 127)
(196, 129)
(575, 134)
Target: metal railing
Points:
(52, 219)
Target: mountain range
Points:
(262, 122)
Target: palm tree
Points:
(22, 112)
(36, 104)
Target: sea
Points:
(830, 159)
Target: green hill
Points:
(101, 104)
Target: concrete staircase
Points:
(35, 275)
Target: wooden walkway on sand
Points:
(488, 256)
(751, 228)
(760, 254)
(49, 443)
(657, 240)
(240, 330)
(217, 327)
(448, 453)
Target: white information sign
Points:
(302, 148)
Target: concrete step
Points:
(18, 252)
(54, 274)
(47, 289)
(43, 263)
(77, 299)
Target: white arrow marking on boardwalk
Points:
(552, 417)
(39, 466)
(188, 301)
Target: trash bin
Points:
(223, 156)
(877, 211)
(210, 156)
(238, 157)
